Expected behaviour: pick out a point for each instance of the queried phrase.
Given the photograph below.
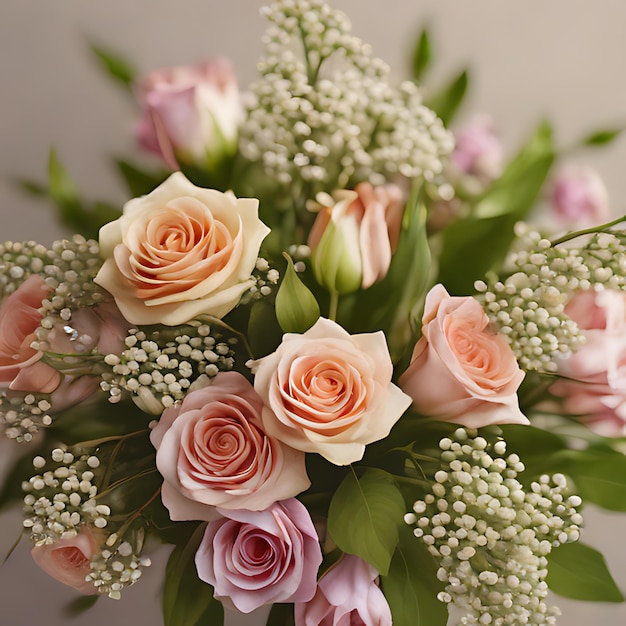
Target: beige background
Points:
(561, 59)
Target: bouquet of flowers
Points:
(321, 352)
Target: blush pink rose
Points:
(254, 558)
(460, 370)
(594, 377)
(68, 560)
(191, 113)
(212, 451)
(347, 595)
(180, 252)
(21, 368)
(354, 236)
(329, 392)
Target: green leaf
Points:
(187, 600)
(447, 101)
(264, 332)
(411, 587)
(117, 67)
(577, 571)
(64, 191)
(600, 477)
(32, 187)
(364, 517)
(602, 137)
(281, 615)
(138, 181)
(479, 243)
(79, 605)
(422, 56)
(296, 307)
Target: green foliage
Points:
(187, 600)
(364, 516)
(118, 68)
(577, 571)
(79, 605)
(602, 137)
(411, 587)
(422, 56)
(478, 243)
(296, 307)
(281, 615)
(138, 180)
(446, 102)
(264, 332)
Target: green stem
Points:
(94, 443)
(123, 481)
(139, 511)
(587, 231)
(332, 307)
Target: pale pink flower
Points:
(212, 451)
(254, 558)
(460, 370)
(68, 560)
(191, 114)
(347, 595)
(594, 383)
(329, 392)
(21, 368)
(478, 151)
(579, 198)
(364, 232)
(180, 252)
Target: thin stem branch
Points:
(587, 231)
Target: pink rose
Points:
(478, 152)
(346, 595)
(180, 252)
(21, 368)
(253, 558)
(460, 370)
(579, 198)
(68, 560)
(191, 114)
(212, 451)
(329, 392)
(354, 239)
(594, 383)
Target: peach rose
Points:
(354, 239)
(346, 594)
(255, 558)
(21, 368)
(212, 451)
(460, 370)
(180, 252)
(68, 560)
(329, 392)
(594, 383)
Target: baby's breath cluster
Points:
(21, 416)
(490, 535)
(324, 116)
(158, 366)
(19, 260)
(63, 496)
(266, 278)
(528, 307)
(118, 564)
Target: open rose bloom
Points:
(329, 392)
(180, 252)
(460, 370)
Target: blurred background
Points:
(562, 60)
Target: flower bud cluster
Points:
(19, 260)
(490, 534)
(118, 564)
(73, 265)
(63, 497)
(21, 416)
(266, 278)
(329, 119)
(528, 307)
(159, 366)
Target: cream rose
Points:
(329, 392)
(460, 370)
(68, 560)
(180, 252)
(212, 451)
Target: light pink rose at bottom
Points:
(68, 560)
(347, 595)
(254, 558)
